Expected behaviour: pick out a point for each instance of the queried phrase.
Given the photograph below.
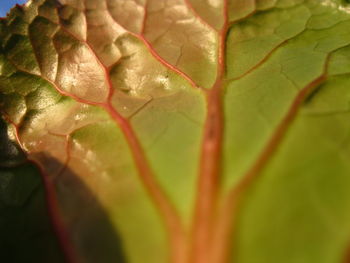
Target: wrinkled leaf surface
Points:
(204, 131)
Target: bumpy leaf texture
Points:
(182, 131)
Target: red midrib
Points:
(213, 221)
(229, 207)
(209, 171)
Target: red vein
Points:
(155, 54)
(229, 209)
(52, 206)
(266, 58)
(172, 220)
(202, 226)
(196, 14)
(143, 25)
(164, 62)
(57, 222)
(166, 208)
(139, 109)
(168, 212)
(208, 178)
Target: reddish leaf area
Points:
(209, 235)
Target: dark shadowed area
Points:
(27, 234)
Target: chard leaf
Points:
(23, 212)
(183, 131)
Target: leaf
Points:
(23, 211)
(184, 130)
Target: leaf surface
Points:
(185, 131)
